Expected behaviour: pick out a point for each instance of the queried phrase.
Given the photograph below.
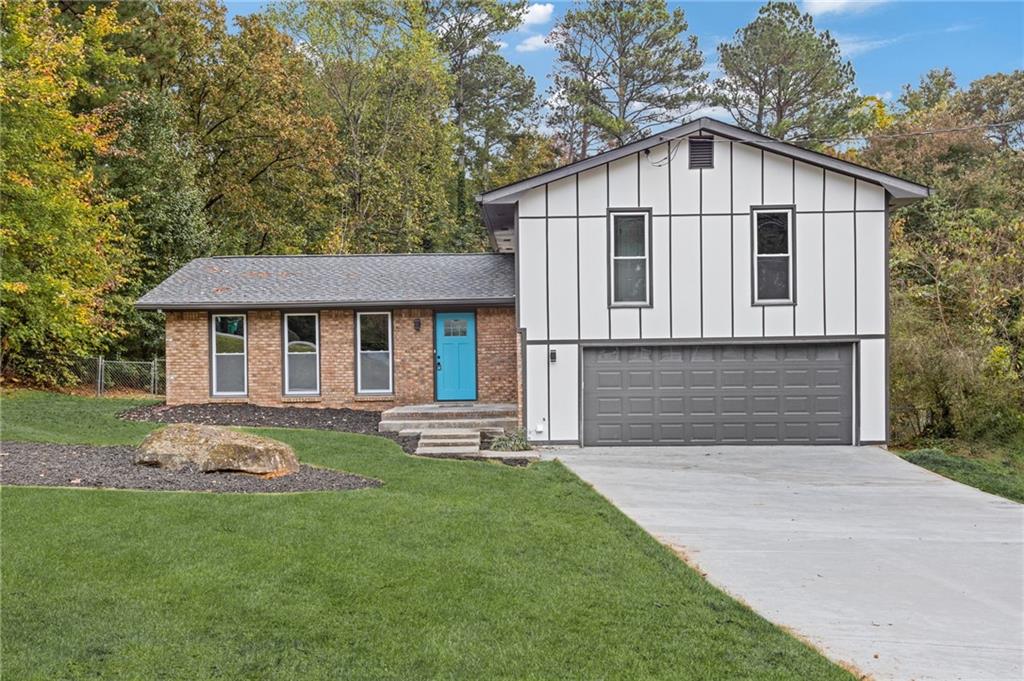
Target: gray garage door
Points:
(729, 394)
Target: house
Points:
(703, 285)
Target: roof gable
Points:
(902, 191)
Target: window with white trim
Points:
(302, 354)
(229, 354)
(773, 256)
(630, 259)
(373, 357)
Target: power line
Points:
(916, 133)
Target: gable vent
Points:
(702, 152)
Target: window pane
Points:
(302, 372)
(230, 373)
(630, 281)
(302, 333)
(373, 332)
(629, 235)
(375, 370)
(772, 233)
(230, 335)
(455, 327)
(773, 278)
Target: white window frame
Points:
(244, 353)
(359, 356)
(646, 257)
(789, 255)
(316, 330)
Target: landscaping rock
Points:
(215, 448)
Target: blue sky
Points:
(890, 43)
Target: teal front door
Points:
(455, 355)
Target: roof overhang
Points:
(327, 304)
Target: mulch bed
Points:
(29, 463)
(342, 420)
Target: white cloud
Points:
(820, 7)
(852, 45)
(501, 44)
(717, 112)
(538, 14)
(533, 44)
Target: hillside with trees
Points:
(139, 135)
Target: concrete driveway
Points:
(877, 562)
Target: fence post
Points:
(152, 377)
(99, 376)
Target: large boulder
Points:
(216, 448)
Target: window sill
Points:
(773, 303)
(301, 398)
(382, 397)
(629, 306)
(230, 399)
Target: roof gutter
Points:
(326, 304)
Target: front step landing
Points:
(422, 418)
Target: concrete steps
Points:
(420, 418)
(449, 442)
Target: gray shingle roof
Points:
(336, 281)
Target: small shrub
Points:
(514, 441)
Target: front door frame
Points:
(476, 354)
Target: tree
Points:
(265, 151)
(154, 170)
(530, 153)
(64, 247)
(783, 78)
(379, 76)
(624, 67)
(483, 80)
(998, 99)
(957, 266)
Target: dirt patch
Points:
(30, 463)
(250, 415)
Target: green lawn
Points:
(452, 570)
(997, 469)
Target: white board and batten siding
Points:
(700, 268)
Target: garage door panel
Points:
(672, 406)
(671, 378)
(753, 394)
(641, 406)
(703, 406)
(764, 404)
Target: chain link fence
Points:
(103, 376)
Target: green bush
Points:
(514, 441)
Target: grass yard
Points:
(454, 570)
(997, 469)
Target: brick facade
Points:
(188, 359)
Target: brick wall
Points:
(188, 357)
(497, 373)
(187, 354)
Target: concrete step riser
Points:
(450, 416)
(389, 426)
(427, 438)
(448, 450)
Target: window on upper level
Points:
(630, 256)
(773, 256)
